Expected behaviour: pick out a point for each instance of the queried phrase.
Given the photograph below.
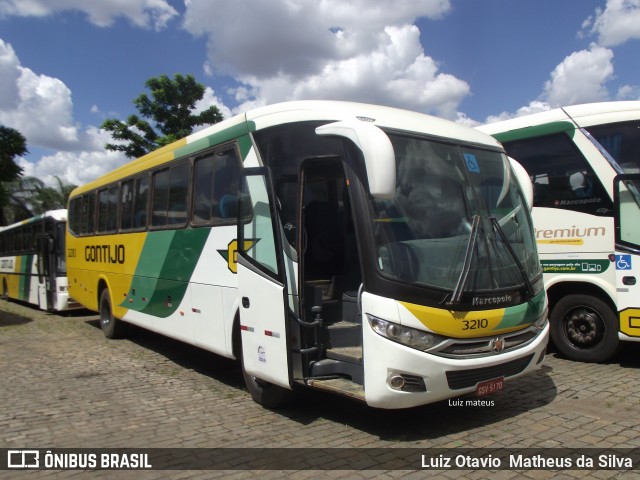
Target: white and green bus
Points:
(33, 262)
(376, 253)
(584, 162)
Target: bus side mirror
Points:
(524, 180)
(376, 147)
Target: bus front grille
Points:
(468, 378)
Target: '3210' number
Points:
(475, 324)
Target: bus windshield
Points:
(458, 220)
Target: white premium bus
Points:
(584, 162)
(380, 254)
(33, 263)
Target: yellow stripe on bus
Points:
(460, 324)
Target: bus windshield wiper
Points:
(523, 272)
(456, 295)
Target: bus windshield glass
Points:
(457, 221)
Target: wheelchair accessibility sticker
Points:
(623, 262)
(472, 163)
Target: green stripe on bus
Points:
(24, 288)
(166, 264)
(523, 314)
(214, 139)
(537, 131)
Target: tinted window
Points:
(133, 203)
(561, 176)
(126, 205)
(170, 196)
(107, 209)
(622, 141)
(216, 187)
(140, 202)
(81, 214)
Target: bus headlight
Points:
(418, 339)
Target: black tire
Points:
(266, 394)
(584, 328)
(110, 325)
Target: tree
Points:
(29, 196)
(12, 145)
(171, 109)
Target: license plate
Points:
(490, 386)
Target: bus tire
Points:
(110, 325)
(265, 393)
(584, 328)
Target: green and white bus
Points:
(33, 262)
(376, 253)
(584, 162)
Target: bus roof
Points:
(582, 115)
(298, 111)
(58, 215)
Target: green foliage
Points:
(12, 145)
(171, 110)
(29, 196)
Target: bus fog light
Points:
(406, 382)
(396, 382)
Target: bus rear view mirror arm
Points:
(376, 147)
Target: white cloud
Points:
(534, 107)
(142, 13)
(581, 77)
(628, 92)
(210, 98)
(616, 24)
(41, 108)
(75, 168)
(358, 50)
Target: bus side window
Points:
(126, 205)
(169, 198)
(140, 202)
(562, 177)
(216, 187)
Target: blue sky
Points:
(66, 65)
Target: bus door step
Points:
(338, 385)
(344, 334)
(346, 354)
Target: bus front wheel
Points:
(111, 326)
(264, 393)
(584, 328)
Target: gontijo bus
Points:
(377, 253)
(584, 162)
(33, 262)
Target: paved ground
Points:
(63, 385)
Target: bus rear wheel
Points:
(111, 326)
(584, 328)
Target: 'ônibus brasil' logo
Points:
(231, 253)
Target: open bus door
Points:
(46, 271)
(262, 286)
